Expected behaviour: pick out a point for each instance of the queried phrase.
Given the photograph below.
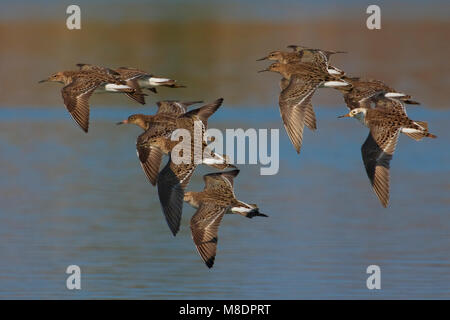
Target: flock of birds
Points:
(218, 196)
(372, 102)
(303, 70)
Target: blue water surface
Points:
(70, 198)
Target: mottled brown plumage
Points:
(300, 81)
(326, 53)
(154, 142)
(319, 58)
(147, 80)
(174, 106)
(79, 86)
(171, 107)
(357, 93)
(129, 78)
(174, 177)
(163, 123)
(134, 78)
(386, 119)
(216, 199)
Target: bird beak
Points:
(122, 122)
(263, 70)
(261, 59)
(345, 116)
(45, 80)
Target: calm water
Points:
(70, 198)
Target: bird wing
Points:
(137, 95)
(76, 98)
(149, 153)
(390, 105)
(131, 73)
(173, 107)
(377, 152)
(172, 181)
(150, 158)
(220, 181)
(205, 227)
(204, 112)
(296, 109)
(91, 67)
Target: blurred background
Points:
(212, 45)
(71, 198)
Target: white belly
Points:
(110, 87)
(152, 82)
(410, 130)
(240, 210)
(394, 95)
(334, 84)
(332, 71)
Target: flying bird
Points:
(216, 200)
(299, 82)
(175, 176)
(301, 54)
(357, 93)
(135, 78)
(172, 107)
(385, 120)
(318, 56)
(79, 86)
(156, 139)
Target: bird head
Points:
(137, 119)
(274, 67)
(56, 77)
(358, 113)
(274, 56)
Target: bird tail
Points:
(247, 210)
(164, 82)
(422, 131)
(255, 213)
(407, 100)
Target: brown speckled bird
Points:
(300, 54)
(361, 89)
(175, 176)
(156, 140)
(298, 85)
(216, 200)
(172, 107)
(79, 86)
(385, 120)
(318, 56)
(135, 79)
